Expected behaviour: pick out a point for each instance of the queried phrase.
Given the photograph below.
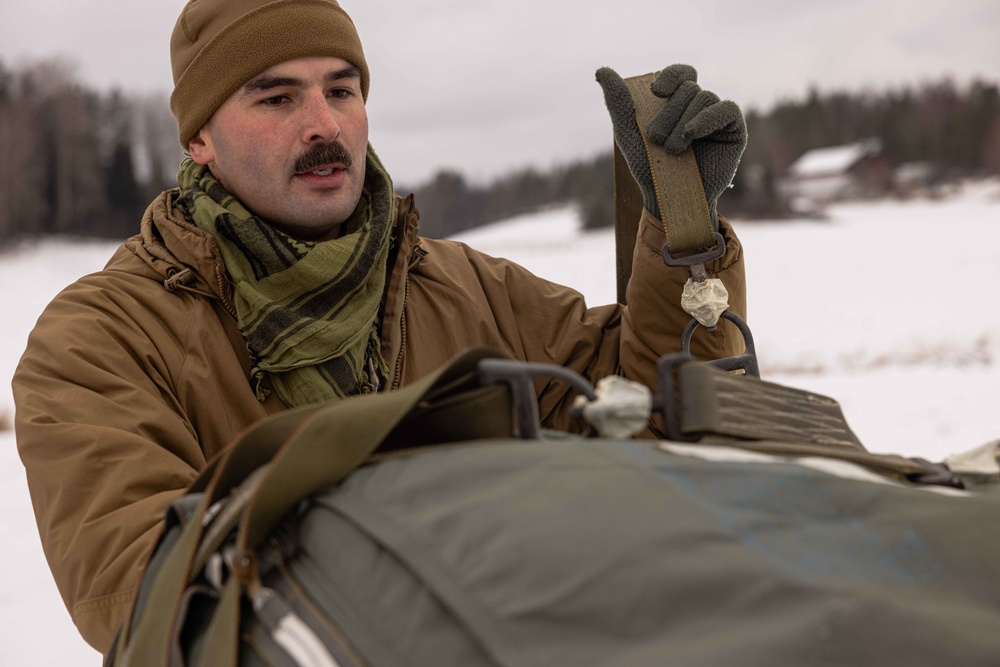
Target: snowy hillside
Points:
(887, 307)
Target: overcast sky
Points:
(485, 87)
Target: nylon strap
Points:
(295, 474)
(310, 448)
(149, 642)
(745, 412)
(714, 401)
(628, 213)
(680, 195)
(222, 647)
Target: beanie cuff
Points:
(270, 35)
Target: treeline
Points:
(83, 163)
(956, 131)
(449, 204)
(953, 130)
(79, 162)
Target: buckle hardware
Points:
(698, 258)
(518, 376)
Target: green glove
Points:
(690, 116)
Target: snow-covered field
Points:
(887, 306)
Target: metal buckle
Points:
(518, 376)
(666, 400)
(699, 258)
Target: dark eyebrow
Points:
(262, 83)
(269, 82)
(349, 72)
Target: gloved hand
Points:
(690, 116)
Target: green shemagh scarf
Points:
(307, 310)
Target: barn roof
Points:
(833, 159)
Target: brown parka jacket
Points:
(137, 375)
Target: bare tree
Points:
(22, 206)
(74, 176)
(159, 152)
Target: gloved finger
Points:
(680, 138)
(618, 100)
(668, 118)
(671, 78)
(621, 108)
(723, 121)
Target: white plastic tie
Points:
(705, 301)
(983, 461)
(302, 644)
(621, 409)
(289, 631)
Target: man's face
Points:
(291, 145)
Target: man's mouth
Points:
(324, 160)
(323, 176)
(323, 170)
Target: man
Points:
(283, 271)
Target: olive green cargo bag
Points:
(300, 548)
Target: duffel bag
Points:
(456, 544)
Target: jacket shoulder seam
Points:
(103, 602)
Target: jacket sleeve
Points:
(653, 320)
(633, 337)
(105, 446)
(535, 320)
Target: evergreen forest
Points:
(82, 162)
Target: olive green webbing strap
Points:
(294, 473)
(714, 401)
(628, 213)
(680, 194)
(770, 418)
(149, 642)
(308, 449)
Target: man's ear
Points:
(200, 146)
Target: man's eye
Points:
(341, 93)
(273, 101)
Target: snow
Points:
(886, 306)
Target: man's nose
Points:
(320, 123)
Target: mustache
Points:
(321, 154)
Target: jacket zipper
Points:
(418, 255)
(220, 278)
(402, 333)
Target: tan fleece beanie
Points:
(219, 45)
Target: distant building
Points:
(916, 178)
(836, 173)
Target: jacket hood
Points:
(181, 254)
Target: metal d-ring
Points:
(746, 361)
